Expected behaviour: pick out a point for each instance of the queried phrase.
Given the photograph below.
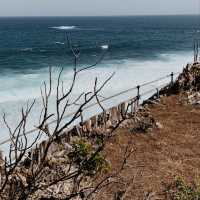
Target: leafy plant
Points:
(84, 154)
(180, 190)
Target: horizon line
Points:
(138, 15)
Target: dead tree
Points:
(24, 169)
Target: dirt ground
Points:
(159, 155)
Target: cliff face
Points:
(189, 79)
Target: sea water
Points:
(138, 49)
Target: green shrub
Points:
(180, 190)
(89, 160)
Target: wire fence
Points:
(137, 88)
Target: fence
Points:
(112, 114)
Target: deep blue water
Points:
(32, 43)
(140, 49)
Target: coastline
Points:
(162, 143)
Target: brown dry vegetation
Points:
(163, 137)
(159, 155)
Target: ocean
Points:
(141, 48)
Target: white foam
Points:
(60, 43)
(104, 46)
(27, 49)
(64, 27)
(15, 90)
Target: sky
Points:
(97, 7)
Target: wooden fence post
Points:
(123, 107)
(94, 122)
(114, 115)
(133, 105)
(138, 95)
(158, 93)
(172, 78)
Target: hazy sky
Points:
(97, 7)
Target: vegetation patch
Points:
(88, 158)
(180, 190)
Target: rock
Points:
(193, 98)
(159, 125)
(60, 154)
(190, 97)
(52, 161)
(53, 148)
(68, 147)
(119, 195)
(2, 162)
(109, 124)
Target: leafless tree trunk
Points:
(22, 174)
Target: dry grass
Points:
(159, 155)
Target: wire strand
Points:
(101, 101)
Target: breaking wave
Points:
(26, 49)
(64, 27)
(16, 90)
(60, 43)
